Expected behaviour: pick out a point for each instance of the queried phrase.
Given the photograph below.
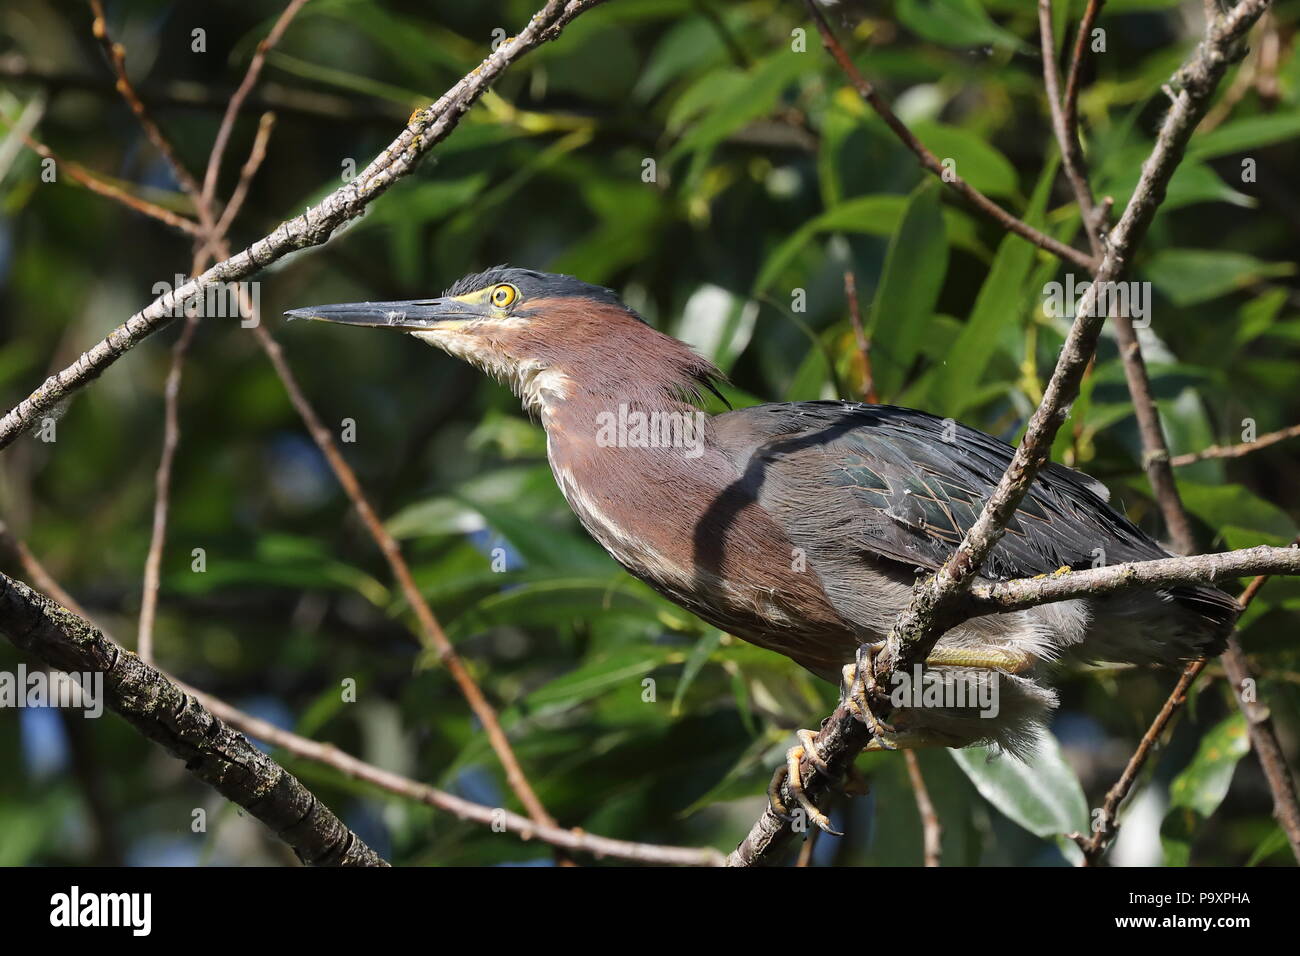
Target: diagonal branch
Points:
(329, 755)
(431, 633)
(935, 600)
(1159, 469)
(209, 193)
(214, 236)
(427, 128)
(97, 184)
(116, 56)
(931, 162)
(165, 714)
(246, 174)
(438, 122)
(1106, 827)
(937, 603)
(576, 840)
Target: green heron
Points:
(802, 526)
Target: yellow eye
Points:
(503, 295)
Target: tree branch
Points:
(575, 840)
(430, 632)
(237, 100)
(116, 56)
(426, 128)
(997, 596)
(937, 603)
(1235, 451)
(929, 161)
(1107, 826)
(931, 828)
(172, 718)
(1073, 82)
(97, 184)
(329, 755)
(246, 173)
(1066, 135)
(935, 600)
(284, 100)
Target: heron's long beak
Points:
(412, 316)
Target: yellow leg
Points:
(990, 658)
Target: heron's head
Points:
(550, 337)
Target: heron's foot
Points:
(859, 687)
(791, 773)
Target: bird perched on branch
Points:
(803, 526)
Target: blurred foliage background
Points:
(770, 177)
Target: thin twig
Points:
(237, 100)
(246, 173)
(1106, 826)
(116, 57)
(1074, 81)
(33, 568)
(1155, 452)
(1066, 136)
(162, 489)
(1158, 466)
(1264, 741)
(426, 128)
(95, 184)
(1000, 596)
(284, 100)
(1235, 451)
(171, 413)
(543, 26)
(809, 846)
(931, 828)
(931, 162)
(860, 334)
(575, 840)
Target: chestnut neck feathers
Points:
(607, 354)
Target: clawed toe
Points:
(791, 773)
(859, 686)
